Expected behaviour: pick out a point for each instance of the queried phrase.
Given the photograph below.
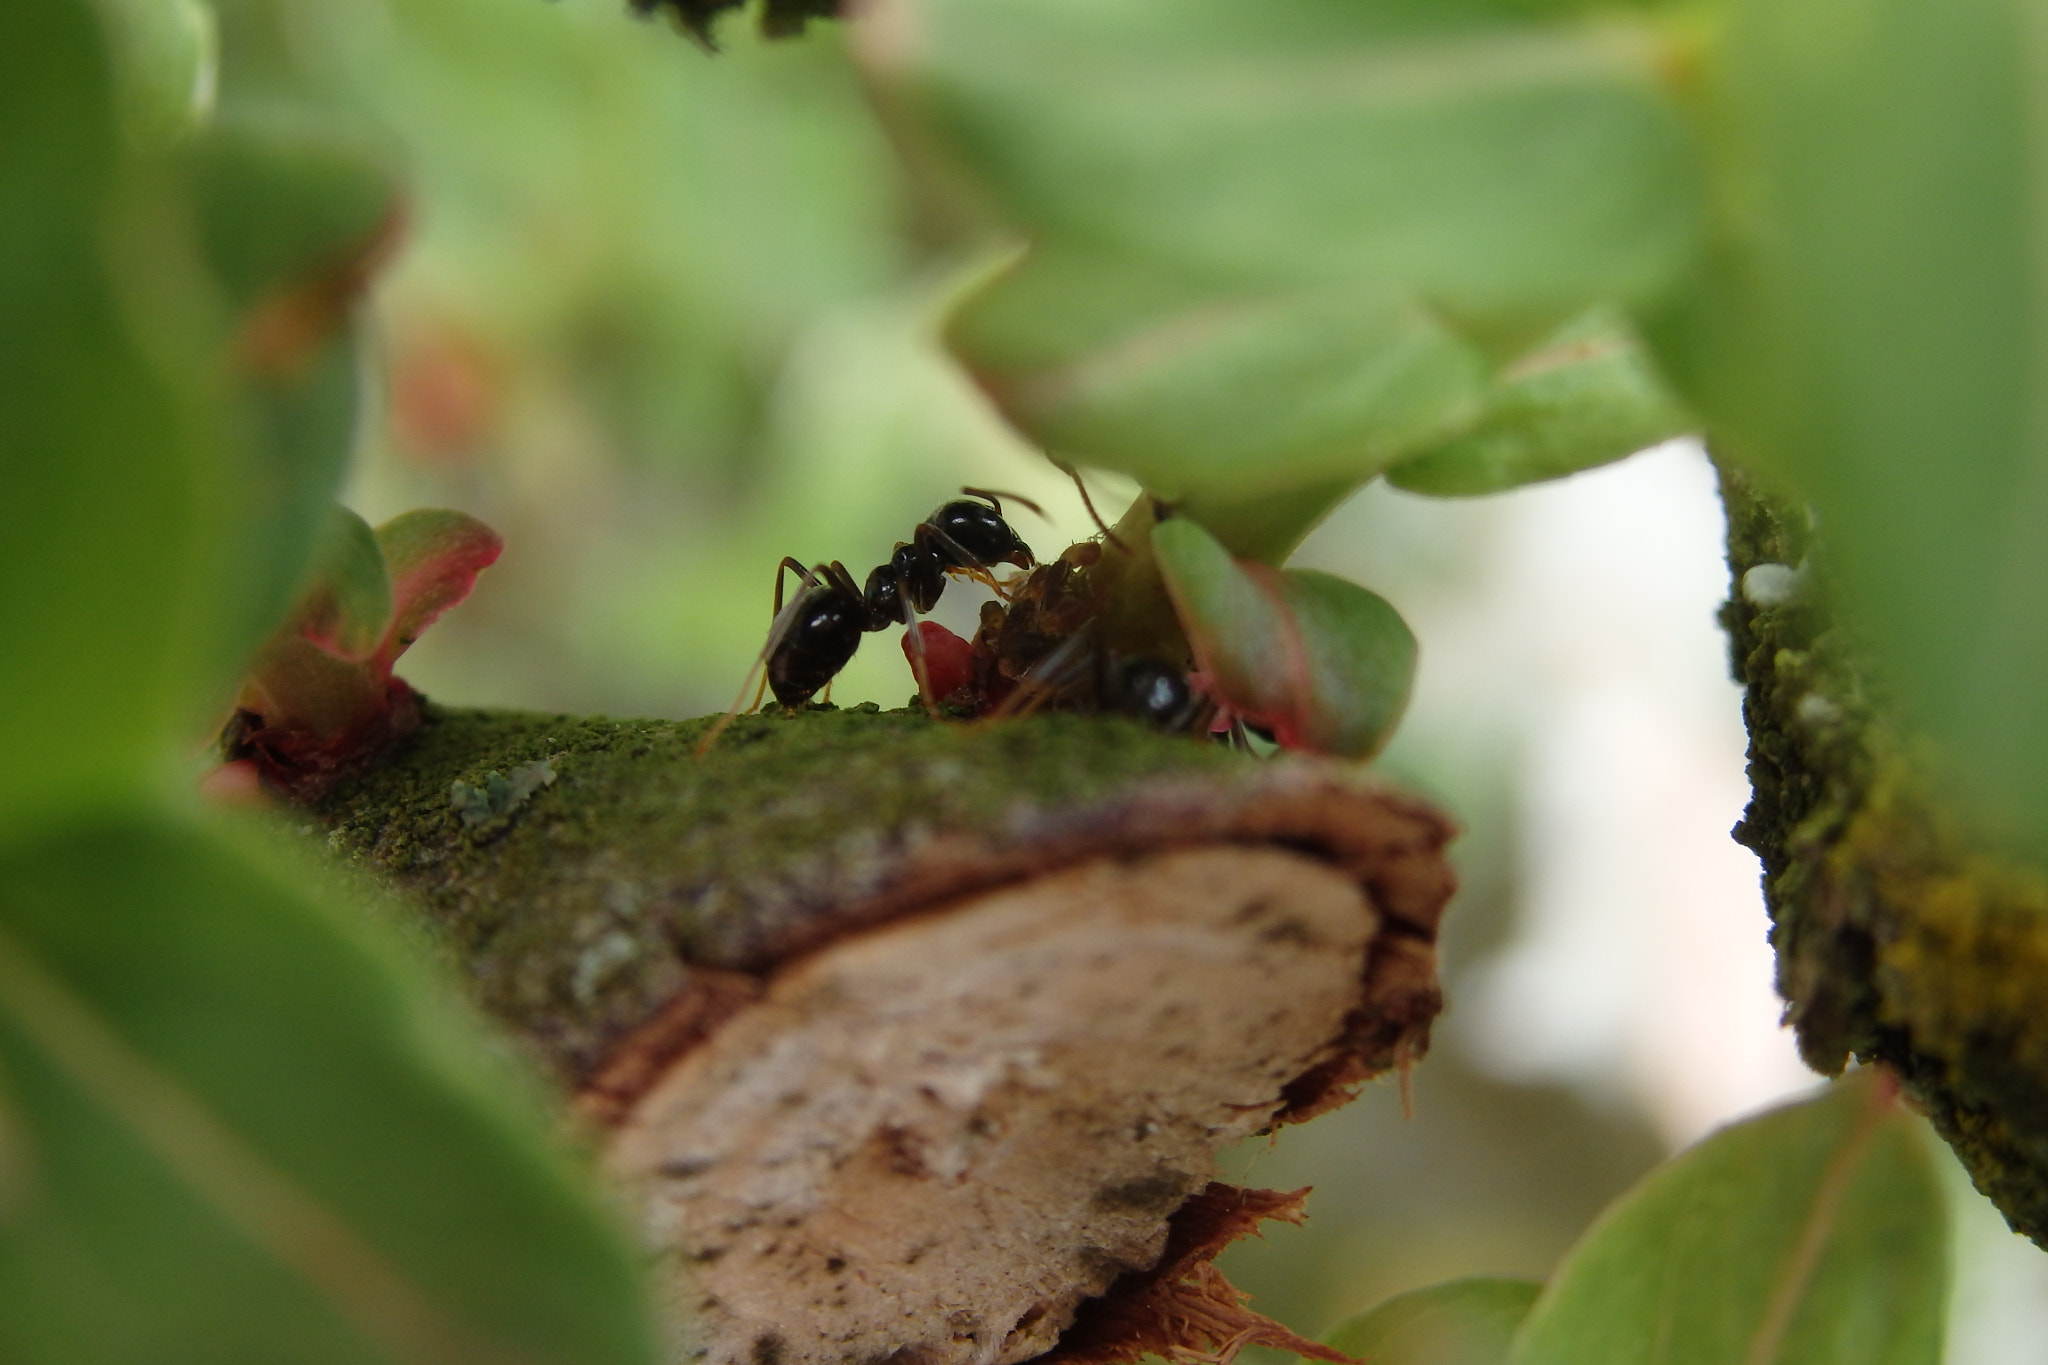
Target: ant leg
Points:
(918, 667)
(780, 569)
(778, 630)
(990, 497)
(1089, 503)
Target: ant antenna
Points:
(990, 495)
(917, 663)
(1089, 503)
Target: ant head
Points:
(970, 535)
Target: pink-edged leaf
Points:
(347, 612)
(296, 685)
(1231, 618)
(1324, 664)
(433, 556)
(1360, 665)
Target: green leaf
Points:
(1871, 331)
(349, 609)
(248, 1134)
(289, 209)
(1463, 1322)
(166, 54)
(1503, 170)
(1586, 396)
(1324, 664)
(1813, 1235)
(293, 220)
(434, 557)
(1210, 386)
(112, 506)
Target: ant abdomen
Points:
(823, 635)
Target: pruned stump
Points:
(919, 1056)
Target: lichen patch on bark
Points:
(933, 1141)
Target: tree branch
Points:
(1901, 939)
(912, 1036)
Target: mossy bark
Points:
(869, 1010)
(1901, 939)
(583, 873)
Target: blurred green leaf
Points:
(1503, 170)
(111, 506)
(1586, 396)
(1813, 1235)
(1871, 331)
(1212, 386)
(1463, 1322)
(1323, 663)
(303, 424)
(250, 1137)
(166, 52)
(293, 218)
(288, 207)
(349, 609)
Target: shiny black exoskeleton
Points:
(821, 633)
(1151, 691)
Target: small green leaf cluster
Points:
(1323, 664)
(1812, 1235)
(320, 695)
(235, 1125)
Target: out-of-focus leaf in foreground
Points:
(1584, 397)
(1463, 1322)
(167, 52)
(1284, 244)
(238, 1133)
(293, 220)
(1503, 168)
(1815, 1234)
(1189, 384)
(1873, 332)
(108, 506)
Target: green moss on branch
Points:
(1900, 939)
(586, 874)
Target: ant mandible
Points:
(817, 634)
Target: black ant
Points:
(818, 633)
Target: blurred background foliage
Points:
(662, 318)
